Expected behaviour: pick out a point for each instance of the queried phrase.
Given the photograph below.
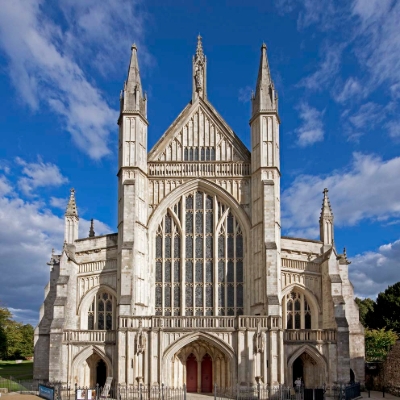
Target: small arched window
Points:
(100, 313)
(297, 310)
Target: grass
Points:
(22, 371)
(17, 371)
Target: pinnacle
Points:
(326, 210)
(72, 210)
(91, 230)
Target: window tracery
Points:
(207, 258)
(297, 310)
(100, 313)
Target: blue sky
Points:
(336, 66)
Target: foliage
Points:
(366, 307)
(387, 308)
(378, 343)
(16, 339)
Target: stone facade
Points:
(198, 286)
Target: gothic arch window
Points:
(100, 313)
(199, 259)
(297, 310)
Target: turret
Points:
(199, 76)
(266, 97)
(71, 220)
(326, 221)
(132, 97)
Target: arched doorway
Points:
(206, 374)
(101, 373)
(191, 373)
(309, 370)
(298, 370)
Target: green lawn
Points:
(17, 371)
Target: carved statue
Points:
(198, 77)
(140, 340)
(259, 340)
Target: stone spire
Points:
(72, 210)
(132, 98)
(266, 97)
(326, 221)
(199, 72)
(71, 220)
(91, 230)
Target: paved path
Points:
(378, 395)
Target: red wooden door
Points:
(206, 374)
(191, 374)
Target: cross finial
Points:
(199, 49)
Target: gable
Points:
(199, 134)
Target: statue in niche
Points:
(198, 77)
(140, 340)
(258, 340)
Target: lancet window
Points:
(298, 311)
(199, 259)
(100, 313)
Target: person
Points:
(297, 384)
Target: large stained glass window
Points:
(199, 252)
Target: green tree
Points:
(378, 343)
(5, 320)
(16, 339)
(387, 308)
(25, 347)
(366, 307)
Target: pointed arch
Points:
(225, 348)
(83, 355)
(185, 340)
(309, 296)
(87, 299)
(310, 351)
(209, 188)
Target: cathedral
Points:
(198, 287)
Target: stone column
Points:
(198, 376)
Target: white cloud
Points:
(39, 174)
(321, 12)
(379, 33)
(327, 69)
(30, 232)
(393, 128)
(100, 228)
(368, 189)
(352, 89)
(58, 202)
(368, 114)
(46, 66)
(312, 129)
(373, 272)
(105, 30)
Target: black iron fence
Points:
(259, 392)
(162, 392)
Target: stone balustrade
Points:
(309, 335)
(210, 168)
(79, 336)
(301, 265)
(218, 323)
